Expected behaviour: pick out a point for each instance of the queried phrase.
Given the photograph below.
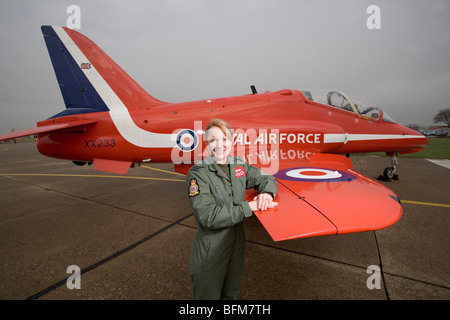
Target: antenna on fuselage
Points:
(253, 89)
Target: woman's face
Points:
(219, 145)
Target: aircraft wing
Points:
(44, 129)
(325, 196)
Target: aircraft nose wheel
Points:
(389, 172)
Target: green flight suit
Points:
(217, 255)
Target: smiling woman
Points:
(216, 189)
(219, 137)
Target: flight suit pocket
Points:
(200, 253)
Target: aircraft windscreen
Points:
(387, 118)
(346, 102)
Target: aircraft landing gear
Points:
(81, 163)
(389, 172)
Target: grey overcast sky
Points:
(186, 50)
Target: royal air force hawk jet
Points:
(299, 136)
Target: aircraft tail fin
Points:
(89, 80)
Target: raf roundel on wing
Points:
(309, 174)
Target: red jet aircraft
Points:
(297, 136)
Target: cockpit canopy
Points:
(346, 102)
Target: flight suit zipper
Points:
(220, 196)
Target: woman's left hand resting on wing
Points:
(262, 202)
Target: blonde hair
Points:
(222, 125)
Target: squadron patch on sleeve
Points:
(193, 188)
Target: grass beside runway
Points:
(437, 148)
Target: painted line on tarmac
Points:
(427, 203)
(441, 162)
(171, 172)
(164, 179)
(85, 176)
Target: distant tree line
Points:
(443, 116)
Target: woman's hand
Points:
(262, 202)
